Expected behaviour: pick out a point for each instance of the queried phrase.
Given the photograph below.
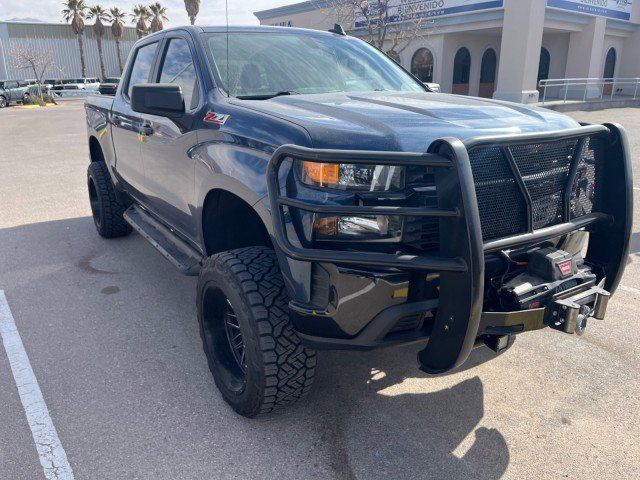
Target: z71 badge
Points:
(216, 118)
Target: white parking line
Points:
(52, 456)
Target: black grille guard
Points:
(460, 261)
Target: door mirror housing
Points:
(434, 87)
(161, 99)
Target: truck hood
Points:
(404, 121)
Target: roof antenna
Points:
(337, 28)
(226, 5)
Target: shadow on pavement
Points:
(370, 414)
(377, 421)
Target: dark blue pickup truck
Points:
(328, 200)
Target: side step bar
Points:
(179, 253)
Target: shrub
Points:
(34, 100)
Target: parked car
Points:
(78, 84)
(49, 84)
(340, 204)
(12, 91)
(109, 86)
(88, 83)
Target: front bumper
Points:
(453, 321)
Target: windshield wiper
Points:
(267, 96)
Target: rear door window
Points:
(178, 68)
(142, 64)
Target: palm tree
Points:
(73, 12)
(159, 14)
(117, 29)
(140, 16)
(193, 8)
(100, 15)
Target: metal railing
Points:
(585, 89)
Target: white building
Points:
(499, 48)
(63, 44)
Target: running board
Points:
(179, 253)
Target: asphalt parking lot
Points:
(110, 331)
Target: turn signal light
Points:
(321, 174)
(327, 226)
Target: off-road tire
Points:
(107, 210)
(278, 370)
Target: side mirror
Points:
(434, 87)
(161, 99)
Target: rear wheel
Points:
(107, 210)
(3, 102)
(254, 354)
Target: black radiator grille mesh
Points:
(588, 177)
(503, 211)
(545, 168)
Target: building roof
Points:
(301, 7)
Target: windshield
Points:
(265, 65)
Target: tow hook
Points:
(581, 321)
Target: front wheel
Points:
(254, 354)
(3, 102)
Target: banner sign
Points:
(403, 10)
(620, 9)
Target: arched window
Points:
(422, 65)
(544, 65)
(462, 66)
(461, 72)
(488, 73)
(395, 56)
(610, 64)
(488, 67)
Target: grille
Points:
(544, 168)
(497, 189)
(589, 175)
(419, 232)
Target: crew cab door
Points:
(13, 89)
(127, 124)
(169, 170)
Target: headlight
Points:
(346, 176)
(358, 228)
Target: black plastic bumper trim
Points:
(374, 335)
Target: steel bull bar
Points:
(460, 260)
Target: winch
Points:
(556, 289)
(549, 272)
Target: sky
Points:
(211, 11)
